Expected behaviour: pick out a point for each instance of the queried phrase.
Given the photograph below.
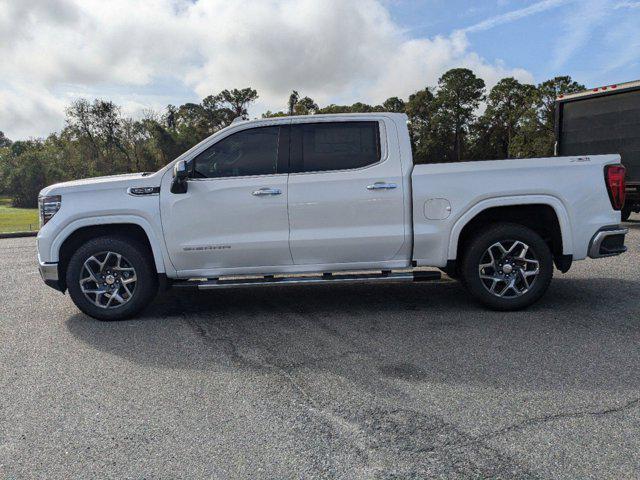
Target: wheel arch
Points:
(79, 232)
(542, 213)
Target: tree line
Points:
(453, 121)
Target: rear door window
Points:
(327, 146)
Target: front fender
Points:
(159, 254)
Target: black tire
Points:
(626, 213)
(477, 253)
(136, 256)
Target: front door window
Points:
(247, 153)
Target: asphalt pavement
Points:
(362, 381)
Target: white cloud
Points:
(626, 33)
(416, 64)
(332, 50)
(515, 15)
(29, 110)
(631, 5)
(580, 28)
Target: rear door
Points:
(346, 198)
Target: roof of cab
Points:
(320, 117)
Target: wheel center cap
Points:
(507, 268)
(110, 279)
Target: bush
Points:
(26, 178)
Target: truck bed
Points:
(446, 195)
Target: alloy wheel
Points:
(508, 269)
(108, 280)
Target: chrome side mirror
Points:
(180, 177)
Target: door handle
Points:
(261, 192)
(382, 186)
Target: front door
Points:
(234, 213)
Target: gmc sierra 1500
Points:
(306, 199)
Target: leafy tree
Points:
(170, 116)
(394, 104)
(458, 97)
(333, 108)
(360, 107)
(270, 114)
(239, 100)
(80, 122)
(162, 143)
(305, 106)
(25, 173)
(549, 91)
(357, 107)
(536, 138)
(419, 109)
(98, 126)
(507, 103)
(293, 99)
(191, 124)
(296, 105)
(216, 114)
(4, 141)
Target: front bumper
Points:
(608, 242)
(49, 273)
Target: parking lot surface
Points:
(366, 381)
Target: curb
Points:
(18, 234)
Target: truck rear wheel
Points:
(507, 266)
(626, 213)
(111, 278)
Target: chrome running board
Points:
(269, 280)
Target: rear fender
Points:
(553, 202)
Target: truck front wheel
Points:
(111, 278)
(507, 266)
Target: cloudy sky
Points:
(149, 53)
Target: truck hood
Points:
(102, 183)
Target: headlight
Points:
(48, 207)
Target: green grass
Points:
(17, 219)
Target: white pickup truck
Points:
(326, 199)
